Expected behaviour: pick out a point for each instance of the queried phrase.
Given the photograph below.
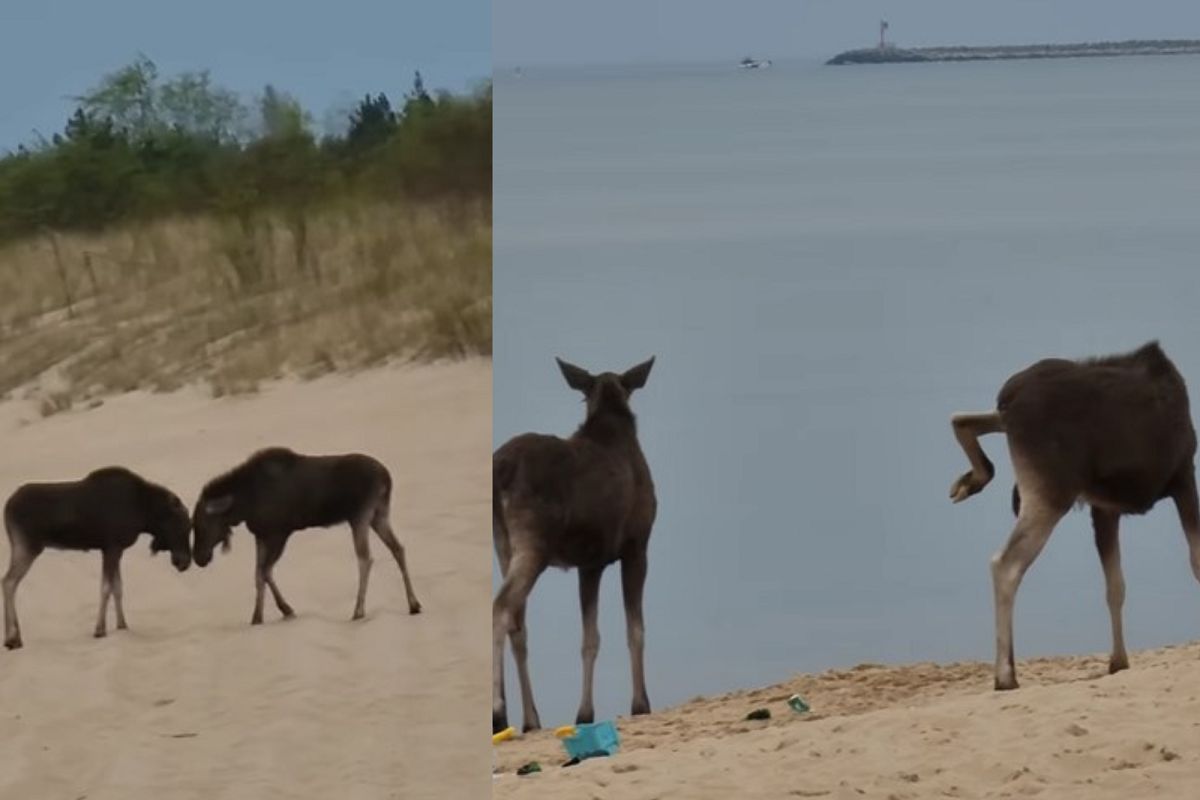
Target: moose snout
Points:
(181, 561)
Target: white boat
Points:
(753, 63)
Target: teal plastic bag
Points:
(591, 740)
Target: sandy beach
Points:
(192, 702)
(904, 732)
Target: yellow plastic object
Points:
(504, 735)
(565, 731)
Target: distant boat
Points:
(754, 63)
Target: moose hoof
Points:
(256, 620)
(14, 643)
(1115, 665)
(964, 487)
(414, 608)
(357, 615)
(121, 626)
(499, 721)
(1006, 685)
(99, 633)
(287, 612)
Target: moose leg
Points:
(1105, 523)
(1188, 506)
(589, 603)
(967, 429)
(20, 560)
(269, 576)
(118, 594)
(507, 615)
(519, 637)
(108, 563)
(1034, 525)
(362, 549)
(267, 552)
(383, 528)
(633, 581)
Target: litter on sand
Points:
(759, 713)
(530, 768)
(592, 740)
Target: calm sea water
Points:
(828, 262)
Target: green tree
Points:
(280, 115)
(372, 123)
(190, 103)
(138, 147)
(128, 97)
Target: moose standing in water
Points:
(277, 492)
(105, 511)
(581, 502)
(1113, 432)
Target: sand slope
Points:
(919, 731)
(192, 702)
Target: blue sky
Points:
(625, 31)
(326, 54)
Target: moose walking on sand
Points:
(105, 511)
(1113, 432)
(582, 502)
(277, 492)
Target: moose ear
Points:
(219, 505)
(635, 378)
(577, 378)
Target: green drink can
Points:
(798, 705)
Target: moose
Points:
(107, 511)
(277, 492)
(584, 502)
(1113, 432)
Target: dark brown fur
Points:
(277, 492)
(106, 511)
(1113, 432)
(583, 502)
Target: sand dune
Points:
(918, 731)
(192, 702)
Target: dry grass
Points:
(236, 301)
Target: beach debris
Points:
(572, 762)
(592, 740)
(565, 731)
(798, 704)
(503, 736)
(530, 768)
(759, 713)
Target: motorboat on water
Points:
(754, 63)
